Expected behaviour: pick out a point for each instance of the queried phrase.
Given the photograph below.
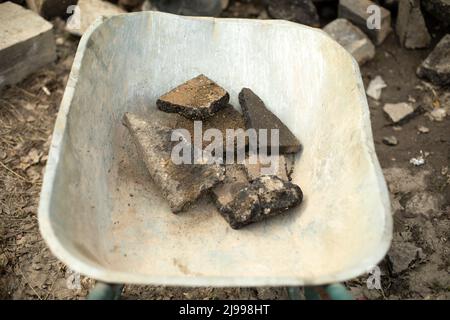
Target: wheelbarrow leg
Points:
(329, 292)
(105, 291)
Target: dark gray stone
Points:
(301, 11)
(196, 99)
(51, 8)
(440, 9)
(436, 67)
(181, 184)
(257, 116)
(265, 197)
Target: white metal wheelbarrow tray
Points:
(100, 213)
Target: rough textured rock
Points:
(26, 43)
(235, 180)
(410, 26)
(375, 88)
(226, 118)
(357, 12)
(257, 116)
(51, 8)
(440, 9)
(87, 12)
(402, 254)
(301, 11)
(196, 99)
(436, 67)
(266, 197)
(352, 39)
(181, 184)
(278, 167)
(398, 111)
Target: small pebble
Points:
(390, 141)
(423, 129)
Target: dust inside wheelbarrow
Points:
(101, 217)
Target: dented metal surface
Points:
(100, 215)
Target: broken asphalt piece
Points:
(375, 88)
(390, 140)
(301, 11)
(257, 116)
(361, 13)
(226, 118)
(436, 67)
(87, 11)
(196, 99)
(265, 197)
(410, 26)
(273, 165)
(235, 180)
(398, 111)
(181, 184)
(352, 39)
(26, 43)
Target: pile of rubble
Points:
(244, 191)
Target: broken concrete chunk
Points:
(375, 88)
(364, 14)
(196, 99)
(87, 11)
(181, 184)
(235, 180)
(266, 197)
(26, 43)
(398, 111)
(272, 165)
(410, 27)
(436, 67)
(352, 39)
(257, 116)
(301, 11)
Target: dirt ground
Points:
(417, 266)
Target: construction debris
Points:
(436, 66)
(398, 111)
(410, 27)
(352, 39)
(364, 14)
(26, 43)
(87, 11)
(301, 11)
(181, 184)
(257, 116)
(197, 99)
(375, 88)
(273, 165)
(266, 197)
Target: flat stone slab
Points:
(410, 26)
(265, 197)
(226, 118)
(398, 111)
(181, 184)
(26, 43)
(357, 12)
(257, 116)
(352, 39)
(436, 67)
(197, 99)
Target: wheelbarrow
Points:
(100, 213)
